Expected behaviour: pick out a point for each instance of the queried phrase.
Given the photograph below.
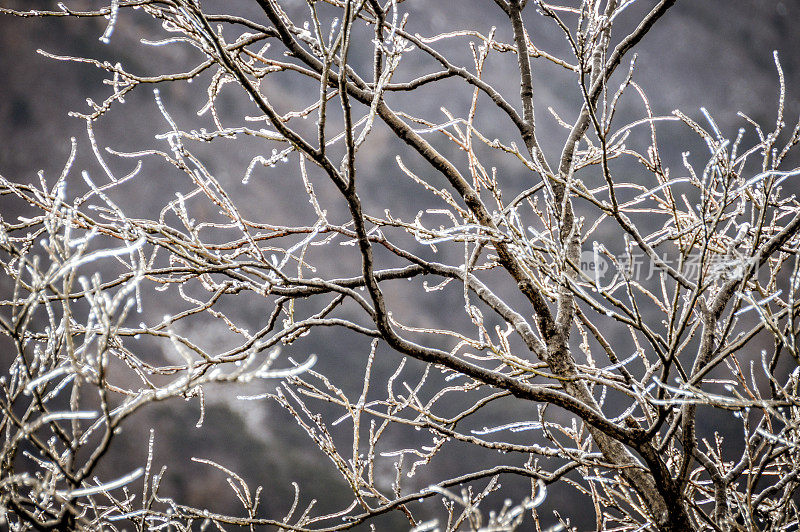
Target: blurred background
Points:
(716, 54)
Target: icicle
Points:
(112, 22)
